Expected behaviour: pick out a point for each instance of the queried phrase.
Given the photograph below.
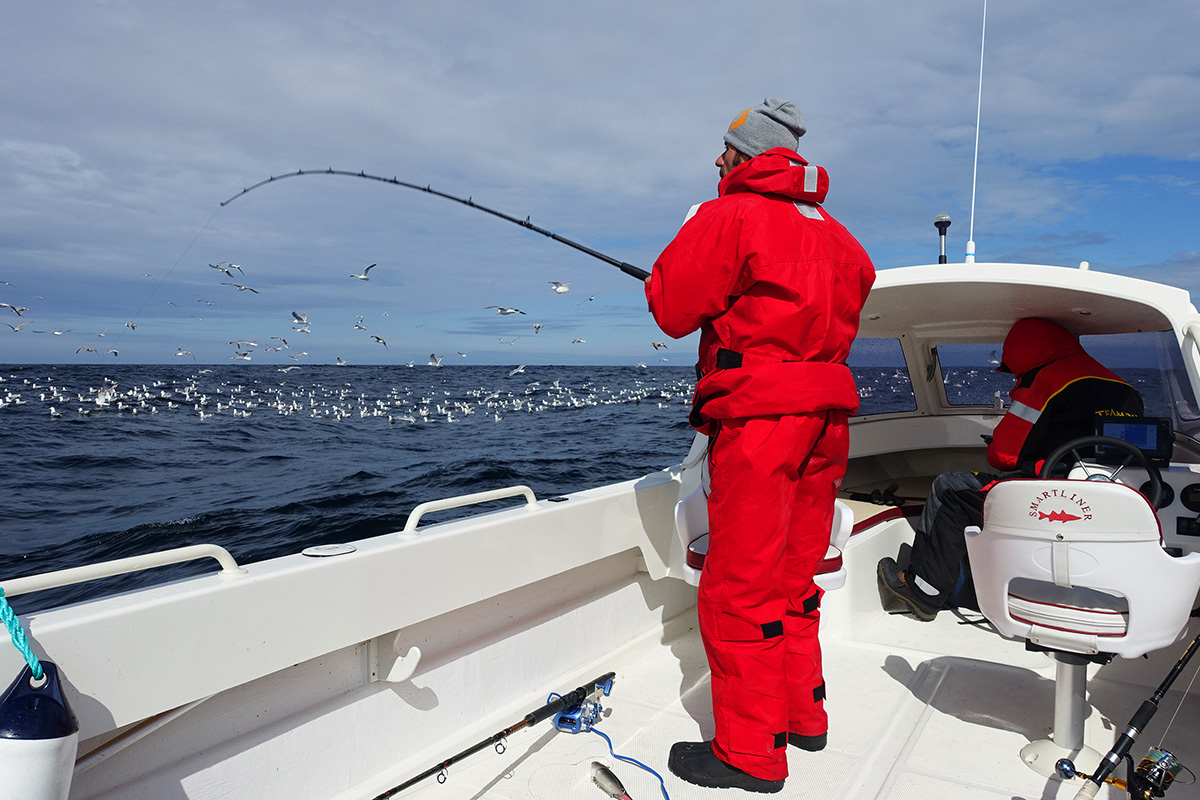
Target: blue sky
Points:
(123, 125)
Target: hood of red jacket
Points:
(778, 171)
(1033, 343)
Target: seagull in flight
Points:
(560, 287)
(506, 311)
(657, 345)
(299, 319)
(239, 287)
(131, 325)
(182, 352)
(227, 268)
(363, 277)
(381, 341)
(515, 371)
(537, 326)
(579, 341)
(17, 327)
(590, 299)
(15, 309)
(435, 360)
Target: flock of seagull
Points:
(205, 395)
(244, 349)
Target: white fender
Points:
(39, 736)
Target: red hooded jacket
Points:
(1060, 390)
(765, 273)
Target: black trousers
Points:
(939, 554)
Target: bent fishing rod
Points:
(628, 269)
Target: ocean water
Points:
(134, 459)
(99, 463)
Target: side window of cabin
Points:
(969, 374)
(881, 374)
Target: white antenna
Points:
(975, 173)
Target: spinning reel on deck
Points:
(1156, 772)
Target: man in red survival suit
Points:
(1059, 392)
(775, 286)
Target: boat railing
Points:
(410, 526)
(122, 566)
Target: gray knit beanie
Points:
(775, 123)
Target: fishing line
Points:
(1178, 707)
(170, 270)
(628, 269)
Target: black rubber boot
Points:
(695, 762)
(810, 743)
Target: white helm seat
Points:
(1077, 567)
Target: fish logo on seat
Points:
(1058, 516)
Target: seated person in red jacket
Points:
(1060, 390)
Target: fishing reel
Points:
(1152, 777)
(580, 717)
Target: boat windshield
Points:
(1150, 361)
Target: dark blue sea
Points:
(99, 463)
(134, 459)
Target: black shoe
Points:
(810, 743)
(695, 762)
(895, 582)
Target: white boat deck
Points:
(904, 714)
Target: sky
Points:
(124, 126)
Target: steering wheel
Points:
(1133, 455)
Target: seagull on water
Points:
(560, 287)
(239, 287)
(363, 277)
(506, 311)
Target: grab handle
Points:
(121, 566)
(410, 527)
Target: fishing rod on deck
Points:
(573, 711)
(628, 269)
(1155, 773)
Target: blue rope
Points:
(635, 762)
(17, 633)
